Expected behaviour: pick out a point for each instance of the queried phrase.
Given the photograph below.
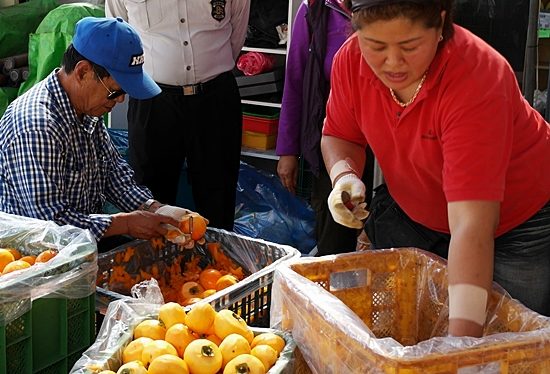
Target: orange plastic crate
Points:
(385, 311)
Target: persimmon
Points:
(207, 293)
(150, 328)
(228, 322)
(271, 339)
(209, 277)
(225, 281)
(245, 363)
(155, 349)
(170, 314)
(46, 256)
(179, 336)
(168, 364)
(16, 254)
(132, 351)
(6, 257)
(30, 259)
(193, 224)
(191, 289)
(267, 355)
(200, 318)
(203, 357)
(232, 346)
(15, 265)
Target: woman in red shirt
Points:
(465, 157)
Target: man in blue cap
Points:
(57, 161)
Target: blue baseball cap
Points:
(115, 45)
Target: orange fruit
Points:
(271, 339)
(207, 293)
(245, 363)
(203, 357)
(200, 318)
(170, 314)
(155, 349)
(232, 346)
(16, 254)
(209, 277)
(191, 289)
(226, 281)
(179, 336)
(214, 339)
(16, 265)
(30, 259)
(267, 355)
(132, 352)
(228, 322)
(46, 256)
(168, 364)
(5, 258)
(134, 367)
(193, 224)
(150, 328)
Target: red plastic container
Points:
(263, 120)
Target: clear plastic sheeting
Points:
(71, 274)
(386, 311)
(117, 332)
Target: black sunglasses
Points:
(112, 94)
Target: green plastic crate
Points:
(47, 312)
(49, 338)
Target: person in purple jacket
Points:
(306, 89)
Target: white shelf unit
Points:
(269, 154)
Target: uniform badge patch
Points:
(218, 9)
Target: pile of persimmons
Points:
(11, 259)
(201, 341)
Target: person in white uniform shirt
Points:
(190, 49)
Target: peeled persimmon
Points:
(193, 224)
(200, 318)
(46, 256)
(226, 281)
(209, 277)
(191, 301)
(207, 293)
(150, 328)
(203, 357)
(16, 265)
(171, 313)
(191, 289)
(5, 258)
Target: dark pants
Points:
(206, 130)
(522, 255)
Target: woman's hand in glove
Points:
(346, 202)
(191, 228)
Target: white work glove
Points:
(175, 234)
(346, 202)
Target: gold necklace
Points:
(402, 104)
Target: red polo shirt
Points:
(469, 135)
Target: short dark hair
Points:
(428, 13)
(71, 57)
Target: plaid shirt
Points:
(53, 167)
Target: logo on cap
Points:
(137, 60)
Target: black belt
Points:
(196, 89)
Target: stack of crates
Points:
(260, 126)
(47, 311)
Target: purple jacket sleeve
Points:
(288, 139)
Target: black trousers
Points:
(205, 129)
